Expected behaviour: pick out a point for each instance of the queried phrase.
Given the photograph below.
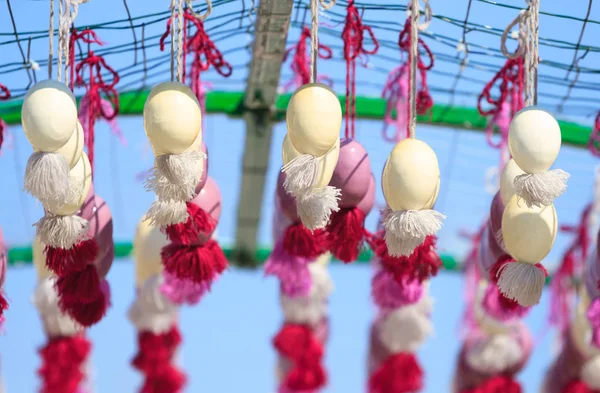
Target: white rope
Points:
(414, 52)
(327, 5)
(67, 12)
(173, 22)
(522, 36)
(59, 58)
(51, 39)
(180, 27)
(314, 39)
(204, 15)
(531, 55)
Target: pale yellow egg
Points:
(148, 242)
(72, 150)
(324, 259)
(327, 162)
(49, 115)
(314, 119)
(507, 180)
(80, 177)
(39, 259)
(534, 139)
(172, 118)
(528, 233)
(411, 176)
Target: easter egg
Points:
(71, 151)
(148, 242)
(411, 176)
(80, 177)
(172, 118)
(286, 201)
(507, 180)
(49, 115)
(327, 161)
(368, 201)
(314, 119)
(352, 173)
(534, 139)
(209, 199)
(528, 233)
(39, 259)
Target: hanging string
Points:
(413, 53)
(300, 63)
(180, 29)
(51, 39)
(67, 12)
(314, 40)
(173, 10)
(531, 54)
(59, 58)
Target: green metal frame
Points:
(231, 104)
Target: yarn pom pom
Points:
(183, 291)
(62, 261)
(196, 263)
(63, 361)
(3, 304)
(316, 207)
(47, 179)
(182, 169)
(62, 231)
(346, 234)
(298, 241)
(577, 386)
(399, 373)
(494, 354)
(198, 221)
(541, 189)
(389, 294)
(167, 212)
(519, 281)
(300, 174)
(499, 383)
(593, 315)
(168, 379)
(292, 271)
(498, 306)
(405, 230)
(88, 313)
(79, 286)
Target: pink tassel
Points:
(497, 306)
(388, 293)
(183, 291)
(292, 271)
(593, 314)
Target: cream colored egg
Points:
(431, 203)
(327, 162)
(72, 150)
(507, 180)
(49, 115)
(534, 139)
(39, 259)
(324, 259)
(148, 242)
(80, 178)
(172, 117)
(528, 233)
(411, 176)
(314, 119)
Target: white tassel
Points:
(322, 284)
(47, 179)
(181, 169)
(522, 282)
(494, 354)
(303, 310)
(300, 174)
(165, 190)
(151, 310)
(62, 231)
(315, 208)
(541, 189)
(164, 213)
(406, 328)
(590, 373)
(55, 322)
(405, 230)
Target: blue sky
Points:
(227, 347)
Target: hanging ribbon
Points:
(300, 64)
(4, 96)
(353, 35)
(93, 105)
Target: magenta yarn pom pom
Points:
(292, 271)
(494, 306)
(183, 291)
(593, 315)
(389, 294)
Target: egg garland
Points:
(310, 152)
(534, 142)
(410, 184)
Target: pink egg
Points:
(368, 201)
(87, 209)
(352, 173)
(104, 263)
(287, 202)
(486, 260)
(204, 175)
(280, 221)
(494, 246)
(101, 225)
(209, 199)
(496, 212)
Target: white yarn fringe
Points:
(522, 282)
(590, 373)
(45, 299)
(47, 179)
(494, 354)
(541, 189)
(165, 190)
(164, 213)
(181, 169)
(62, 231)
(405, 230)
(321, 282)
(315, 208)
(151, 310)
(406, 328)
(300, 174)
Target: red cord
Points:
(353, 36)
(301, 61)
(4, 95)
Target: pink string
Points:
(395, 93)
(501, 120)
(106, 108)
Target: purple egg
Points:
(204, 175)
(496, 249)
(87, 209)
(287, 202)
(496, 212)
(209, 199)
(368, 201)
(101, 226)
(352, 173)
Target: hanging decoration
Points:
(3, 267)
(4, 96)
(300, 63)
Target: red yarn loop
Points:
(346, 234)
(198, 263)
(298, 344)
(198, 222)
(298, 241)
(62, 261)
(399, 373)
(300, 64)
(63, 361)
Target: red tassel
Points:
(298, 344)
(79, 286)
(196, 263)
(168, 380)
(300, 242)
(199, 221)
(61, 261)
(421, 265)
(3, 304)
(86, 314)
(578, 386)
(346, 233)
(497, 384)
(399, 373)
(62, 364)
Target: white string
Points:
(531, 55)
(173, 22)
(67, 12)
(51, 39)
(59, 58)
(522, 38)
(180, 27)
(314, 39)
(414, 52)
(327, 5)
(204, 15)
